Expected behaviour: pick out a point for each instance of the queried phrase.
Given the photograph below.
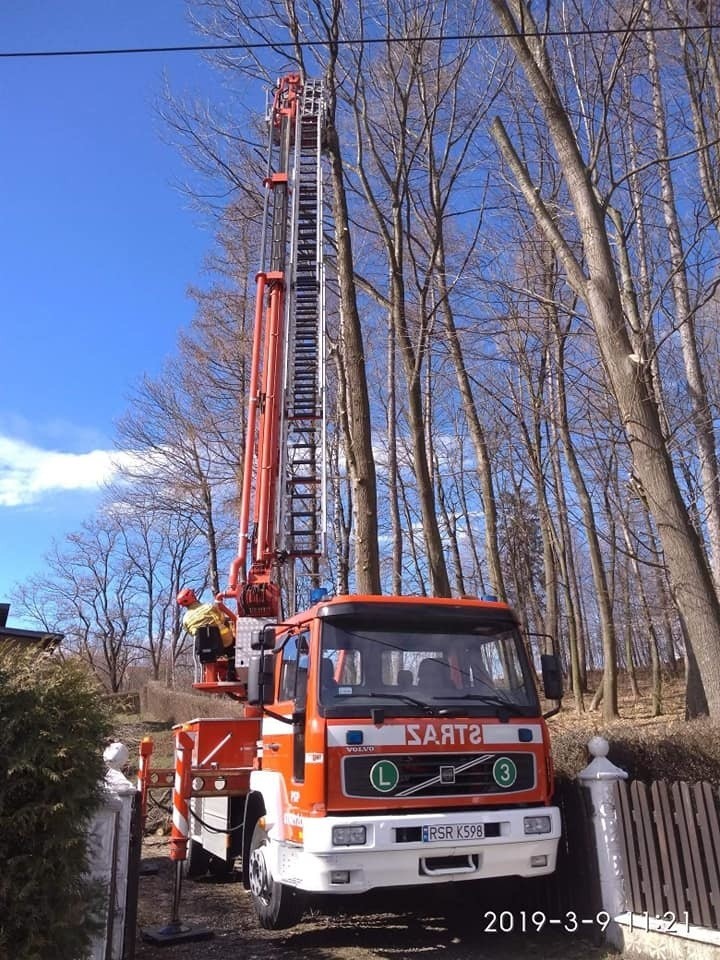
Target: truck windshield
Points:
(478, 670)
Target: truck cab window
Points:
(412, 668)
(294, 669)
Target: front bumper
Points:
(385, 860)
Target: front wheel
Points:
(277, 906)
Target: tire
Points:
(198, 860)
(277, 906)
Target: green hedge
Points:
(52, 728)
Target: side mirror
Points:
(264, 638)
(551, 676)
(260, 679)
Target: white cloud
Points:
(28, 473)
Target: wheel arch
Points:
(254, 810)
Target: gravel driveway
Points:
(446, 922)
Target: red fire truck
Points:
(386, 741)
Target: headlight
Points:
(348, 836)
(537, 824)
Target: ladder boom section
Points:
(282, 508)
(302, 520)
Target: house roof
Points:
(45, 638)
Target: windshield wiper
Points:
(405, 698)
(491, 700)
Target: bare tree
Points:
(175, 458)
(164, 552)
(684, 315)
(88, 594)
(595, 281)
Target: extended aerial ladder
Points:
(384, 741)
(282, 513)
(282, 523)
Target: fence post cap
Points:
(116, 755)
(600, 768)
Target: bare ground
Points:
(448, 923)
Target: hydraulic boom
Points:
(282, 513)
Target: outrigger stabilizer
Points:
(175, 931)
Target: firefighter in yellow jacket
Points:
(209, 615)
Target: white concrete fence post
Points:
(109, 850)
(600, 776)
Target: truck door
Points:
(293, 696)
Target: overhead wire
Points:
(365, 41)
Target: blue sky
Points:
(97, 249)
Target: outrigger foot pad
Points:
(176, 933)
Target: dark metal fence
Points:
(576, 883)
(134, 856)
(671, 841)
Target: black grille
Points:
(437, 774)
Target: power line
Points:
(269, 45)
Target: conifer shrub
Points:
(52, 727)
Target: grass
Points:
(648, 748)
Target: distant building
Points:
(31, 638)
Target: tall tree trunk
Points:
(702, 69)
(595, 282)
(565, 553)
(702, 415)
(477, 571)
(449, 521)
(653, 645)
(359, 451)
(628, 639)
(340, 496)
(392, 467)
(477, 433)
(547, 622)
(600, 580)
(412, 365)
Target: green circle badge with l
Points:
(384, 776)
(504, 772)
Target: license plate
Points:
(452, 832)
